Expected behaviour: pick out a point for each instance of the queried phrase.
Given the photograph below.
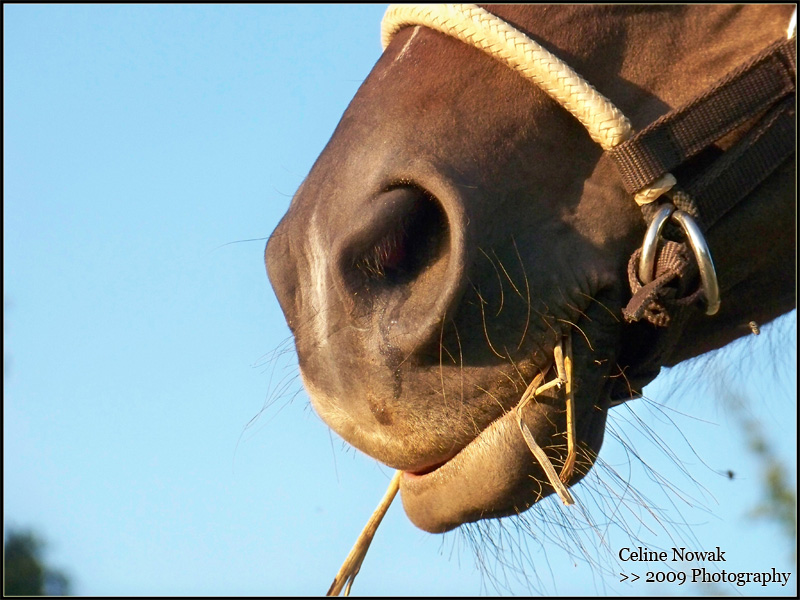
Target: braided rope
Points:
(472, 25)
(656, 189)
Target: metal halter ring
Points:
(647, 261)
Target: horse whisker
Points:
(485, 327)
(499, 280)
(527, 292)
(582, 332)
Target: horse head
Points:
(460, 229)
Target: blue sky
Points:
(155, 430)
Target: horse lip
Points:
(418, 473)
(445, 498)
(428, 472)
(421, 472)
(423, 469)
(490, 476)
(488, 481)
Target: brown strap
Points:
(744, 166)
(711, 193)
(760, 87)
(681, 134)
(707, 198)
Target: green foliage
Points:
(25, 573)
(779, 500)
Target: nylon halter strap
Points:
(762, 90)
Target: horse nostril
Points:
(410, 236)
(401, 269)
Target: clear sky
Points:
(155, 431)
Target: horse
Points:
(463, 237)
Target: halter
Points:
(645, 159)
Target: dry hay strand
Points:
(352, 564)
(569, 463)
(563, 377)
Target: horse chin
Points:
(496, 474)
(475, 463)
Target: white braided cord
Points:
(472, 25)
(655, 189)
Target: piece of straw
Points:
(352, 564)
(531, 392)
(544, 461)
(569, 463)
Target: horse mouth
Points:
(462, 454)
(427, 470)
(459, 459)
(493, 475)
